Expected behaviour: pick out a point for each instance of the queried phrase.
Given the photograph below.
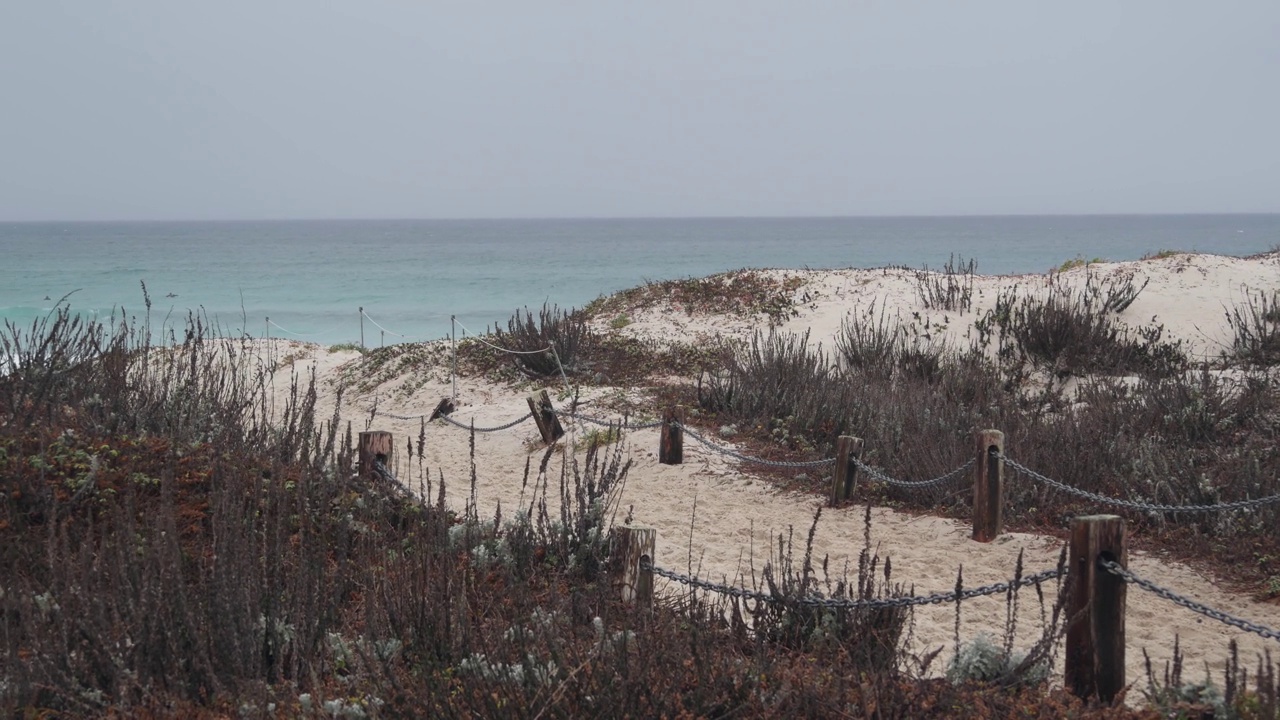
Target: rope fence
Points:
(1132, 504)
(365, 315)
(1223, 617)
(986, 464)
(840, 603)
(287, 331)
(1093, 592)
(482, 341)
(1097, 556)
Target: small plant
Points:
(1255, 325)
(1078, 262)
(869, 343)
(950, 290)
(620, 321)
(982, 660)
(347, 347)
(595, 437)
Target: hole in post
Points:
(380, 457)
(1104, 575)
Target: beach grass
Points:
(178, 542)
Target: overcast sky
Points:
(156, 109)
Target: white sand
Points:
(738, 514)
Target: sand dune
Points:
(738, 514)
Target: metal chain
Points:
(403, 417)
(1115, 569)
(496, 428)
(1131, 504)
(846, 604)
(750, 459)
(603, 422)
(940, 480)
(384, 472)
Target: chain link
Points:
(1131, 504)
(845, 603)
(916, 484)
(1116, 569)
(384, 472)
(747, 458)
(495, 428)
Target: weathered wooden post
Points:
(671, 439)
(444, 407)
(632, 554)
(375, 447)
(988, 487)
(361, 327)
(544, 414)
(1094, 664)
(848, 449)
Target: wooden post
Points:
(362, 327)
(453, 342)
(1094, 664)
(632, 547)
(544, 414)
(375, 447)
(444, 407)
(671, 439)
(848, 449)
(988, 487)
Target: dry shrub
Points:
(1169, 438)
(1075, 332)
(556, 339)
(779, 381)
(1255, 326)
(950, 290)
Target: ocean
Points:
(308, 279)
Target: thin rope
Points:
(568, 388)
(375, 322)
(277, 326)
(502, 349)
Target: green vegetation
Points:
(950, 290)
(1255, 326)
(552, 343)
(1078, 262)
(742, 293)
(347, 347)
(170, 548)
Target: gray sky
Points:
(155, 109)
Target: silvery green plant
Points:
(983, 660)
(530, 671)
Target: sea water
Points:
(308, 279)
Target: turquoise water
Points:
(310, 277)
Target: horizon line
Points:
(589, 218)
